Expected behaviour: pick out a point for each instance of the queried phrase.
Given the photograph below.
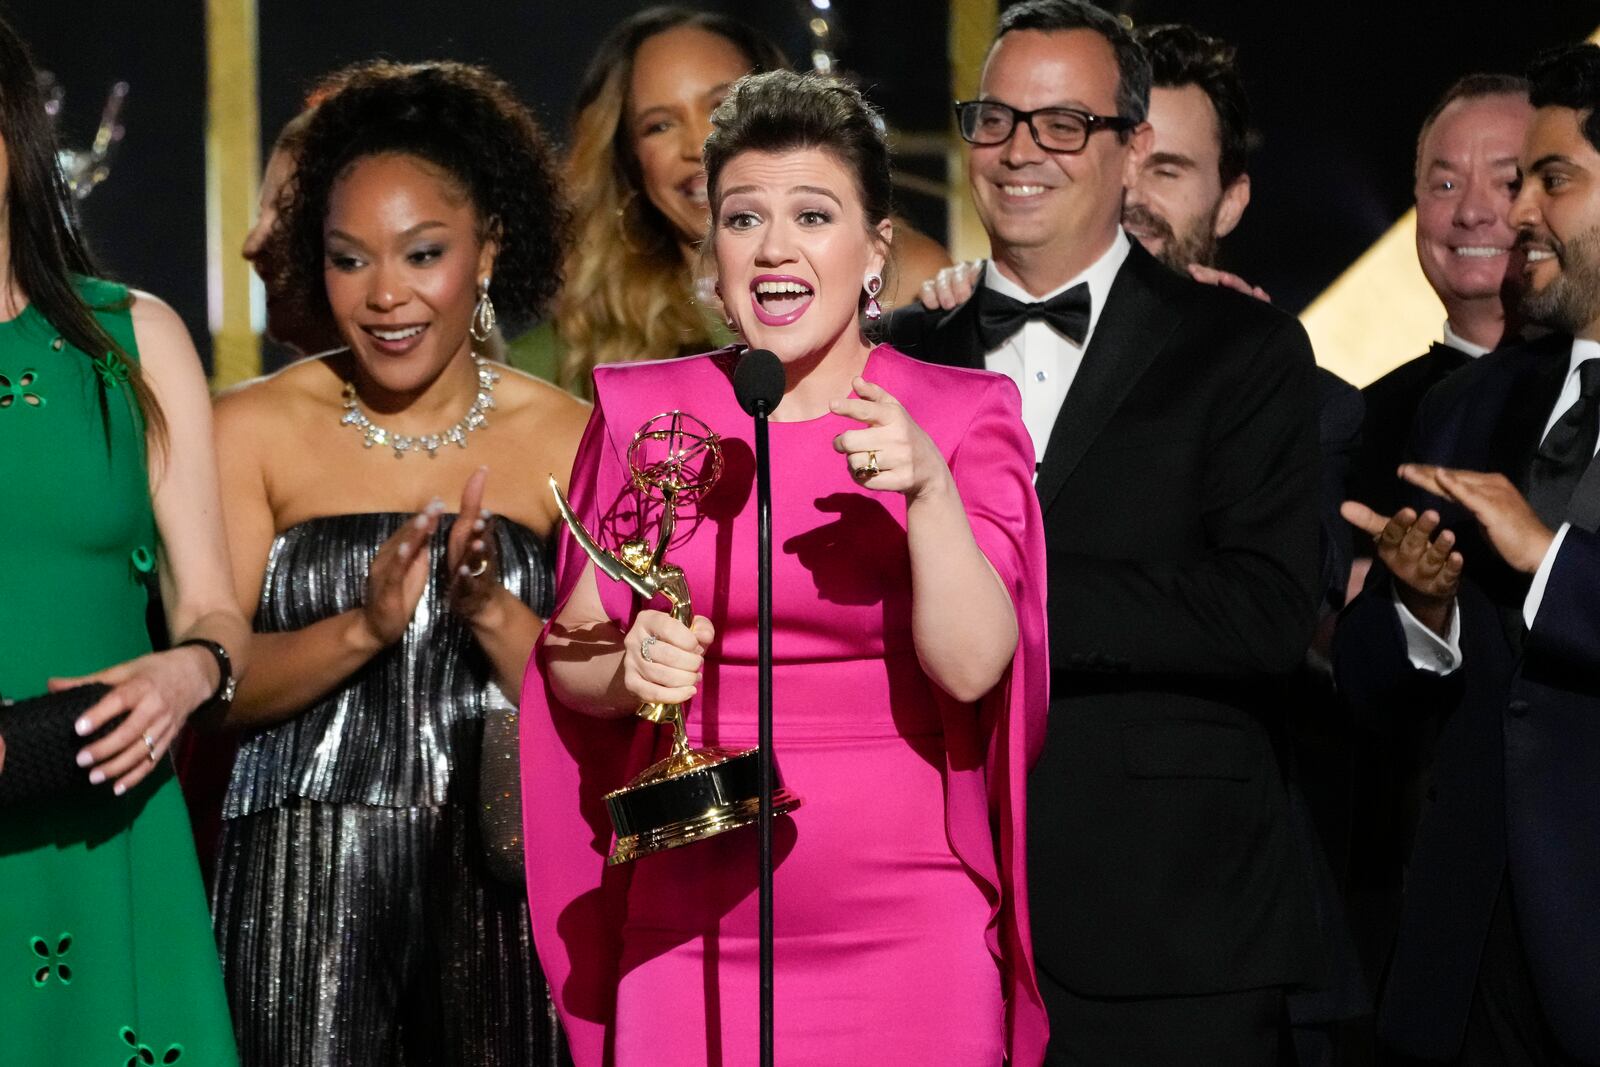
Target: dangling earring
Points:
(483, 319)
(872, 284)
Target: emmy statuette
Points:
(694, 793)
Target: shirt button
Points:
(1040, 375)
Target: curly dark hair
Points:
(463, 120)
(1569, 77)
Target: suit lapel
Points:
(1522, 428)
(1131, 332)
(1584, 511)
(1517, 433)
(1513, 437)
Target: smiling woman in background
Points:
(638, 189)
(638, 194)
(357, 921)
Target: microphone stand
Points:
(764, 714)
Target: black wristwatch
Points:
(223, 696)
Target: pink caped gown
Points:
(901, 916)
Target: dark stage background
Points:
(1338, 91)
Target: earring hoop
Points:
(483, 317)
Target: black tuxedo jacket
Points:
(1341, 410)
(1179, 489)
(1516, 767)
(1392, 403)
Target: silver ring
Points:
(151, 745)
(644, 648)
(477, 572)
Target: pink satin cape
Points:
(570, 760)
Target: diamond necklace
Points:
(474, 419)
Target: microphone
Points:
(758, 382)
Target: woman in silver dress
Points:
(355, 912)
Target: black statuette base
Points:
(693, 805)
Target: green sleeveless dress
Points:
(106, 952)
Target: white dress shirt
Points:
(1442, 655)
(1461, 344)
(1041, 361)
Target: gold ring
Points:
(869, 468)
(477, 572)
(151, 745)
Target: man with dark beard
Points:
(1193, 188)
(1483, 616)
(1191, 192)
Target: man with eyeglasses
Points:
(1176, 432)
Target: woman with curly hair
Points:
(357, 917)
(639, 197)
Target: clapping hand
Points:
(470, 553)
(1421, 557)
(399, 576)
(891, 453)
(1508, 521)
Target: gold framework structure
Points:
(233, 167)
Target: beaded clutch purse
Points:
(42, 746)
(500, 796)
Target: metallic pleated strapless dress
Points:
(356, 917)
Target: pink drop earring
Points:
(872, 284)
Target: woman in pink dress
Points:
(909, 678)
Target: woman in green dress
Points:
(106, 954)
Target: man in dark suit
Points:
(1465, 170)
(1191, 191)
(1484, 615)
(1178, 475)
(1463, 176)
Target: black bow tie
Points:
(999, 316)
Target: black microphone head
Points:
(758, 381)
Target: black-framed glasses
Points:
(1054, 129)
